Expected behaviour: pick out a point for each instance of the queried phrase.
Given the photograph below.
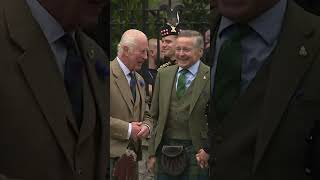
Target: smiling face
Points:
(168, 46)
(133, 49)
(138, 54)
(187, 53)
(72, 14)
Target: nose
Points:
(145, 55)
(164, 44)
(179, 52)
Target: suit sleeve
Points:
(147, 118)
(154, 113)
(118, 128)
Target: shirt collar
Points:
(192, 69)
(124, 68)
(50, 27)
(267, 25)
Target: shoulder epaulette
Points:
(164, 65)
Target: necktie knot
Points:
(69, 43)
(241, 31)
(68, 40)
(131, 74)
(184, 71)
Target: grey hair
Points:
(129, 39)
(199, 42)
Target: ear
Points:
(152, 52)
(126, 50)
(201, 52)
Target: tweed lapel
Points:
(167, 84)
(122, 84)
(38, 66)
(141, 91)
(286, 72)
(200, 81)
(97, 83)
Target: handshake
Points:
(139, 131)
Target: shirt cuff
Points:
(129, 131)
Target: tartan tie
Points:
(133, 83)
(228, 74)
(181, 87)
(73, 77)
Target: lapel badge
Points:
(303, 52)
(91, 53)
(204, 77)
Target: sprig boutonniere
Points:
(141, 82)
(102, 69)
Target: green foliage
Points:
(127, 14)
(195, 15)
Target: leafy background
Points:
(144, 15)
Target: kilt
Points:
(192, 171)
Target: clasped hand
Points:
(139, 131)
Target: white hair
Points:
(129, 39)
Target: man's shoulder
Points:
(306, 22)
(167, 69)
(113, 63)
(301, 15)
(205, 66)
(115, 69)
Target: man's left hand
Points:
(144, 132)
(202, 158)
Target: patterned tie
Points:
(73, 77)
(181, 87)
(228, 74)
(133, 83)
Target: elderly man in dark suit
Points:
(265, 92)
(53, 91)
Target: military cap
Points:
(168, 30)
